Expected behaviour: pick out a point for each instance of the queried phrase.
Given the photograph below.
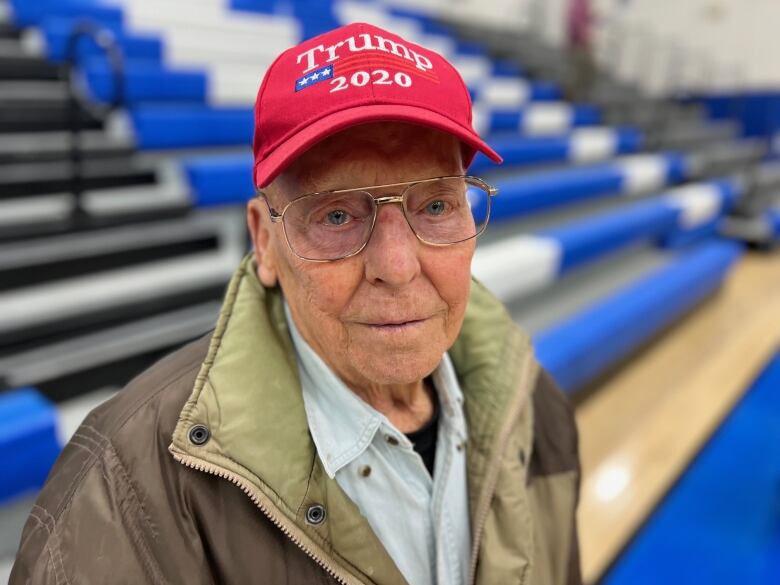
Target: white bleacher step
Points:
(111, 203)
(52, 208)
(190, 51)
(40, 176)
(472, 68)
(142, 336)
(12, 49)
(171, 190)
(169, 194)
(72, 298)
(537, 259)
(227, 92)
(90, 141)
(168, 15)
(81, 246)
(189, 42)
(36, 91)
(36, 305)
(235, 84)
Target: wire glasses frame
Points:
(278, 216)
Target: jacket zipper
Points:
(494, 465)
(200, 465)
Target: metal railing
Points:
(78, 104)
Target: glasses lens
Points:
(329, 226)
(448, 210)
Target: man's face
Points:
(386, 315)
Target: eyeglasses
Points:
(331, 225)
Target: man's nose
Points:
(391, 255)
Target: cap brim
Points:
(269, 168)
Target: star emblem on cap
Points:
(314, 77)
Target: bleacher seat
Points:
(585, 345)
(28, 441)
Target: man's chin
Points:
(401, 367)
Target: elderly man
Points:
(364, 412)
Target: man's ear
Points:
(259, 225)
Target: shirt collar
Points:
(342, 425)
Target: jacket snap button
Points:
(315, 514)
(199, 435)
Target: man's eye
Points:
(337, 217)
(436, 207)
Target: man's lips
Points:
(394, 322)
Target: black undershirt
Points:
(424, 439)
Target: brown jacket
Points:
(202, 469)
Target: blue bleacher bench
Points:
(162, 126)
(516, 120)
(134, 47)
(521, 264)
(587, 344)
(32, 12)
(220, 180)
(524, 151)
(146, 81)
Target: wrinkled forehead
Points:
(372, 154)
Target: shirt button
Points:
(364, 470)
(392, 440)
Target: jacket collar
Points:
(248, 394)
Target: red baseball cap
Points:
(352, 75)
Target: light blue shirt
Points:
(422, 522)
